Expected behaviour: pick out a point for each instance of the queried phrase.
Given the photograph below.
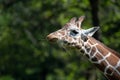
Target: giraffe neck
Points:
(107, 60)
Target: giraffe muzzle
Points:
(52, 38)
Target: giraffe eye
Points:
(73, 32)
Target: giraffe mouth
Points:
(53, 40)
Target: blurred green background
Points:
(25, 54)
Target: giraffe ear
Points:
(91, 31)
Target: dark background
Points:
(25, 54)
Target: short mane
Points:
(116, 53)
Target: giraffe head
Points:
(72, 35)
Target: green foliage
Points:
(25, 54)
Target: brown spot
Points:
(115, 76)
(87, 55)
(70, 39)
(99, 56)
(63, 38)
(112, 59)
(67, 37)
(78, 47)
(92, 43)
(102, 65)
(68, 43)
(109, 70)
(82, 51)
(92, 51)
(87, 48)
(62, 32)
(94, 59)
(102, 50)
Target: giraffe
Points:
(73, 36)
